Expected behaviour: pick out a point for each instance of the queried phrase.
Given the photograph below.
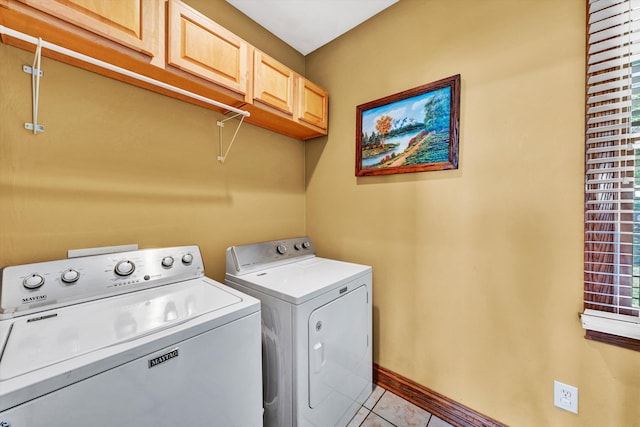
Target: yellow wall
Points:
(118, 164)
(477, 271)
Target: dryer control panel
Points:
(249, 258)
(30, 288)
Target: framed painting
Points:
(411, 131)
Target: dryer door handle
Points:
(319, 358)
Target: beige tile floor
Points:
(385, 409)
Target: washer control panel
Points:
(247, 258)
(30, 288)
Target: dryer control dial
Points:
(187, 258)
(33, 282)
(125, 268)
(306, 245)
(282, 249)
(70, 276)
(167, 261)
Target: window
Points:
(612, 174)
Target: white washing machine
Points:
(137, 338)
(316, 330)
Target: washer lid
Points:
(53, 336)
(301, 281)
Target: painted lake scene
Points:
(406, 134)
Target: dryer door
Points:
(339, 356)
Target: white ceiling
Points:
(307, 25)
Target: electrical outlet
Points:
(565, 396)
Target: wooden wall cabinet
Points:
(273, 83)
(136, 24)
(277, 87)
(171, 42)
(313, 103)
(200, 46)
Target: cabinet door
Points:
(273, 83)
(312, 103)
(133, 23)
(201, 47)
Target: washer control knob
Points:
(33, 282)
(125, 268)
(167, 261)
(306, 245)
(297, 246)
(70, 276)
(187, 259)
(282, 249)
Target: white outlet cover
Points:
(565, 396)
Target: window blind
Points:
(612, 177)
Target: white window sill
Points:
(611, 323)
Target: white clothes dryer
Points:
(316, 330)
(135, 338)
